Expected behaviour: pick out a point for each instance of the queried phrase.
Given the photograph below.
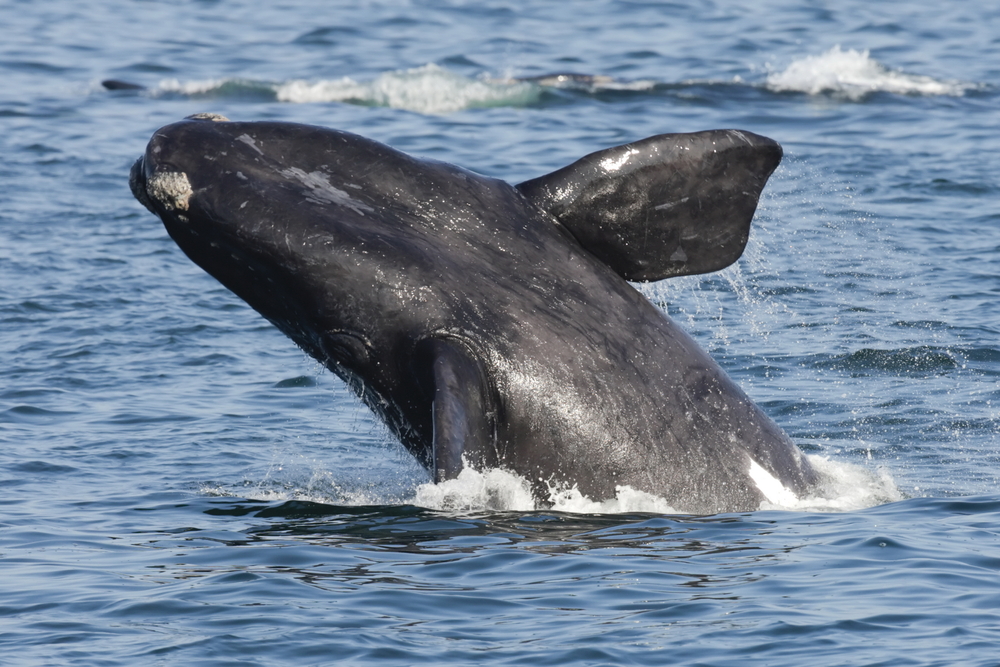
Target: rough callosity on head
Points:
(170, 188)
(207, 115)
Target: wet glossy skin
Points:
(471, 320)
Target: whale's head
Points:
(358, 252)
(265, 210)
(316, 230)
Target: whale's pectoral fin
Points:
(669, 205)
(455, 380)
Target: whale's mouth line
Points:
(164, 190)
(137, 184)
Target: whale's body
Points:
(491, 325)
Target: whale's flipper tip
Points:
(669, 205)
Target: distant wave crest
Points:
(432, 89)
(855, 74)
(429, 89)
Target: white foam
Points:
(199, 87)
(854, 74)
(429, 89)
(626, 499)
(774, 491)
(494, 489)
(843, 487)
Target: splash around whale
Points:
(489, 325)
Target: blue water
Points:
(181, 485)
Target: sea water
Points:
(181, 485)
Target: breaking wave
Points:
(431, 89)
(855, 74)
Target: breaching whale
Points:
(491, 325)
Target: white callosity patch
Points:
(170, 188)
(207, 115)
(323, 192)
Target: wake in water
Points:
(843, 487)
(432, 89)
(428, 90)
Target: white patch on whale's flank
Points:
(773, 490)
(679, 255)
(323, 192)
(170, 188)
(670, 204)
(614, 164)
(241, 176)
(248, 140)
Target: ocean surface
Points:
(180, 485)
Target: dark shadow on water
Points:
(419, 530)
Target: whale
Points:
(118, 84)
(491, 325)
